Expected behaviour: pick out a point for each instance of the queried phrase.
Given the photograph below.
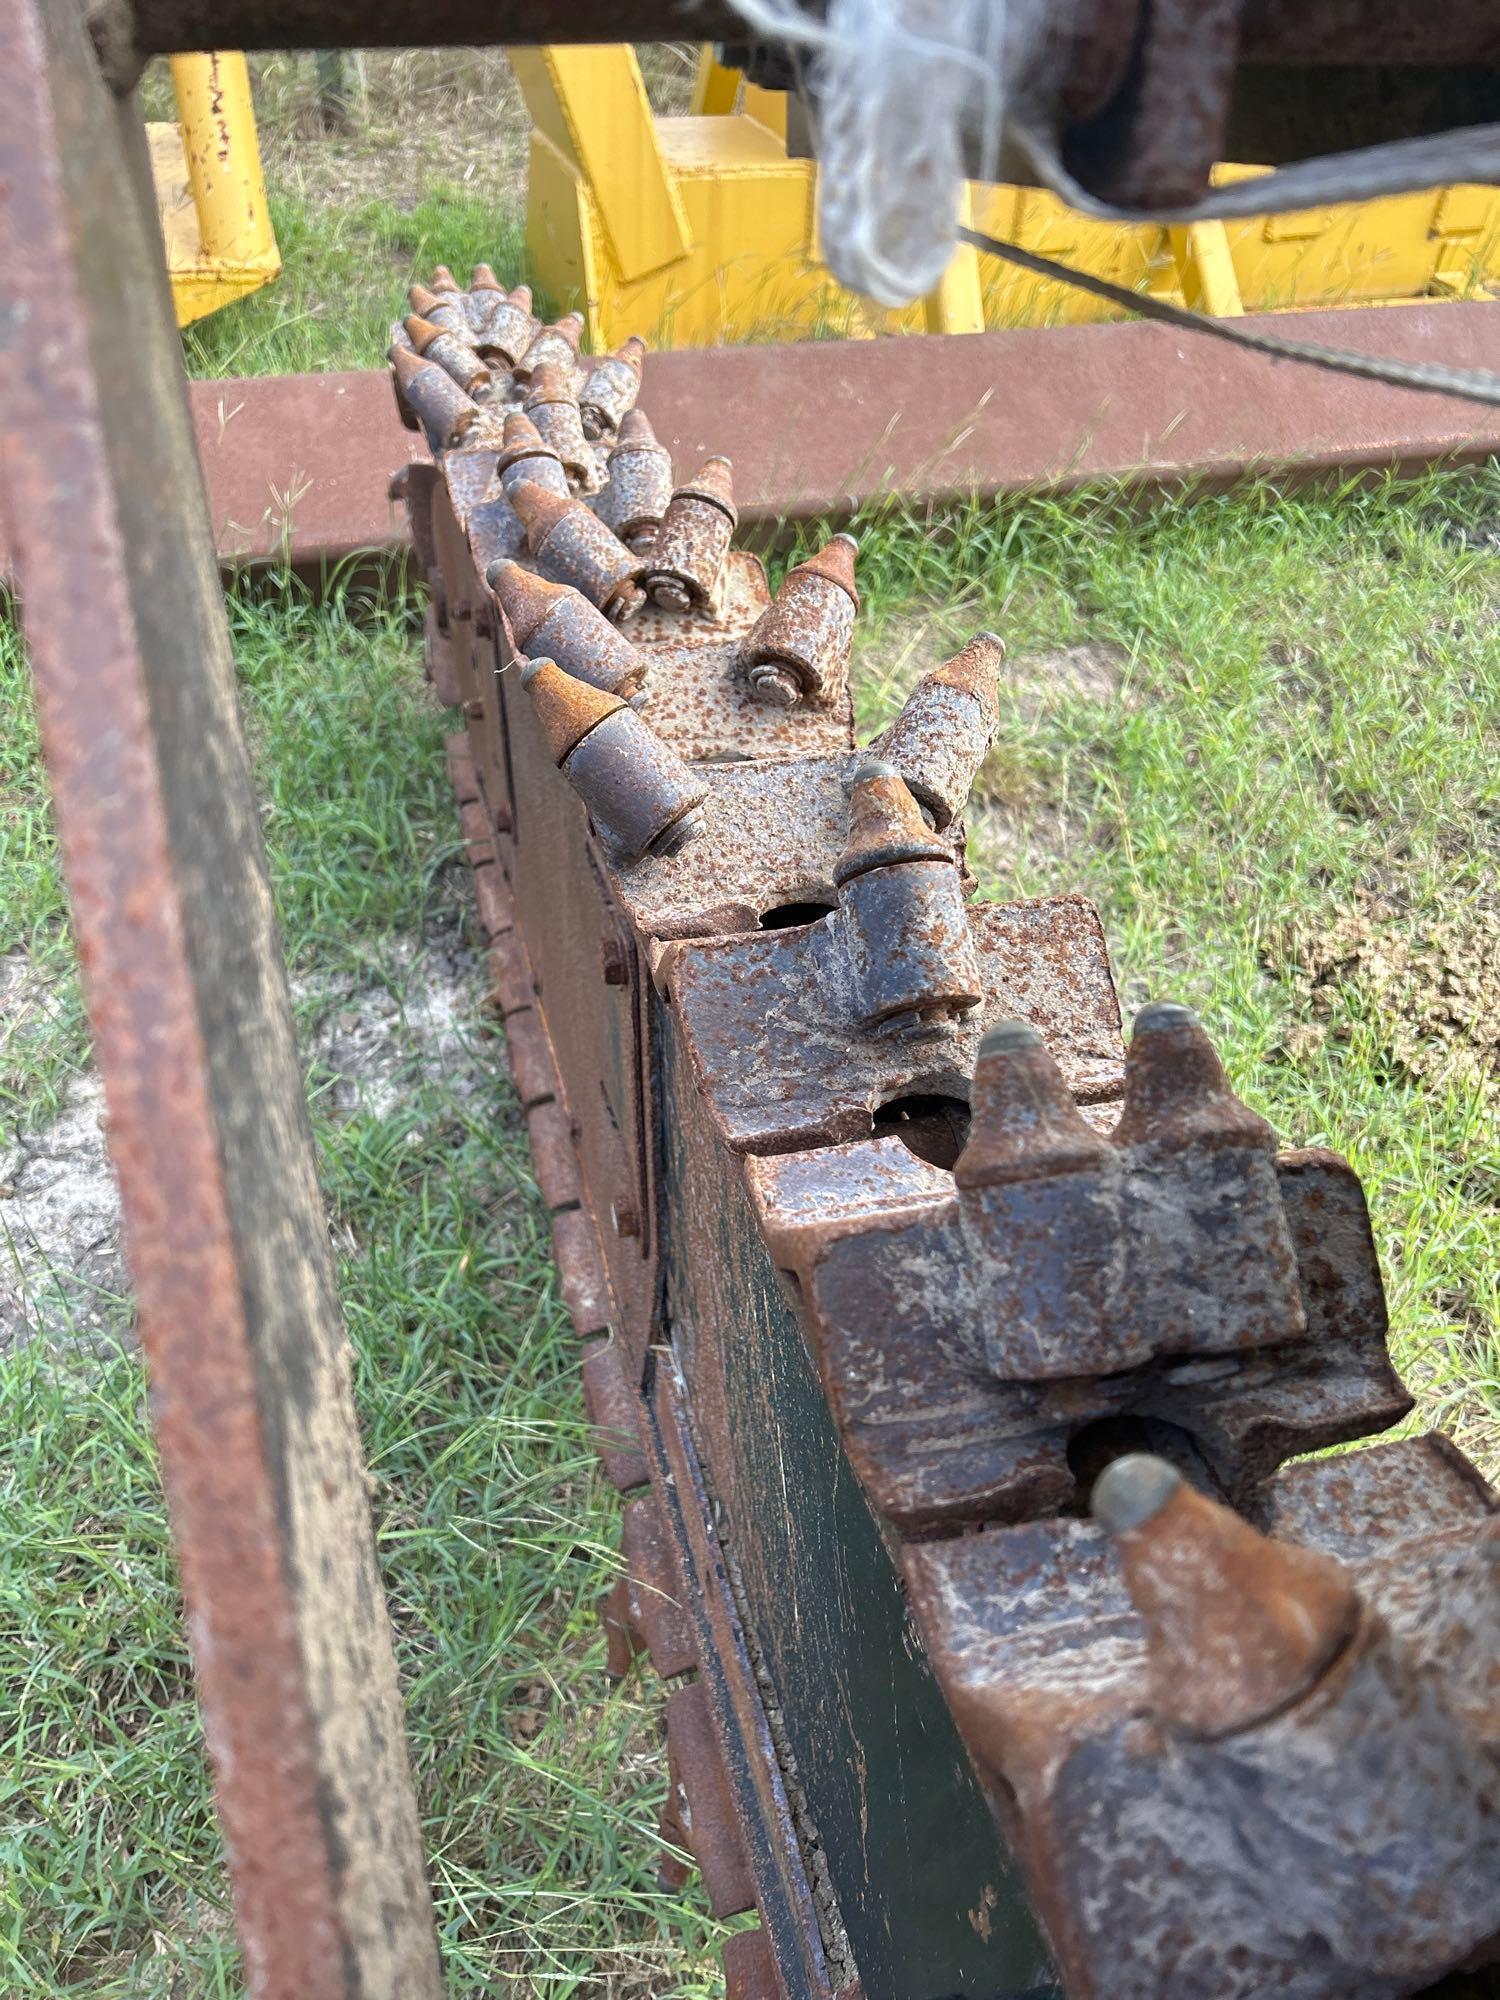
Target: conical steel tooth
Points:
(441, 406)
(572, 545)
(557, 343)
(911, 958)
(798, 651)
(943, 734)
(441, 309)
(639, 487)
(505, 332)
(1025, 1124)
(885, 826)
(1038, 1188)
(552, 407)
(443, 279)
(453, 355)
(526, 458)
(556, 622)
(1176, 1091)
(640, 795)
(484, 294)
(1206, 1197)
(1238, 1627)
(400, 338)
(521, 296)
(688, 550)
(612, 386)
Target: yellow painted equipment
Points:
(701, 229)
(209, 189)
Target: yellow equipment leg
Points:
(1205, 269)
(716, 90)
(956, 305)
(209, 186)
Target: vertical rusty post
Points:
(192, 1032)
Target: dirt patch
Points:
(62, 1271)
(417, 1023)
(375, 1039)
(1034, 685)
(1036, 841)
(1435, 986)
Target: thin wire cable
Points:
(1474, 385)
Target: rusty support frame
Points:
(228, 1245)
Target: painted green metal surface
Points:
(932, 1907)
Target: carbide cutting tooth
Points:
(557, 622)
(556, 343)
(573, 546)
(1238, 1626)
(553, 408)
(688, 549)
(566, 707)
(609, 393)
(485, 293)
(640, 796)
(453, 355)
(1024, 1124)
(885, 825)
(944, 730)
(638, 490)
(526, 457)
(442, 309)
(443, 279)
(798, 651)
(911, 964)
(1176, 1091)
(442, 407)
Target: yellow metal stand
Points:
(209, 188)
(700, 229)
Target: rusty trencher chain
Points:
(951, 1350)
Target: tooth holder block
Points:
(858, 1390)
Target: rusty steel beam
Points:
(298, 466)
(227, 1241)
(163, 27)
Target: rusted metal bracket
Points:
(227, 1242)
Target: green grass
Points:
(540, 1787)
(344, 277)
(1299, 710)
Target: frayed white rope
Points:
(897, 83)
